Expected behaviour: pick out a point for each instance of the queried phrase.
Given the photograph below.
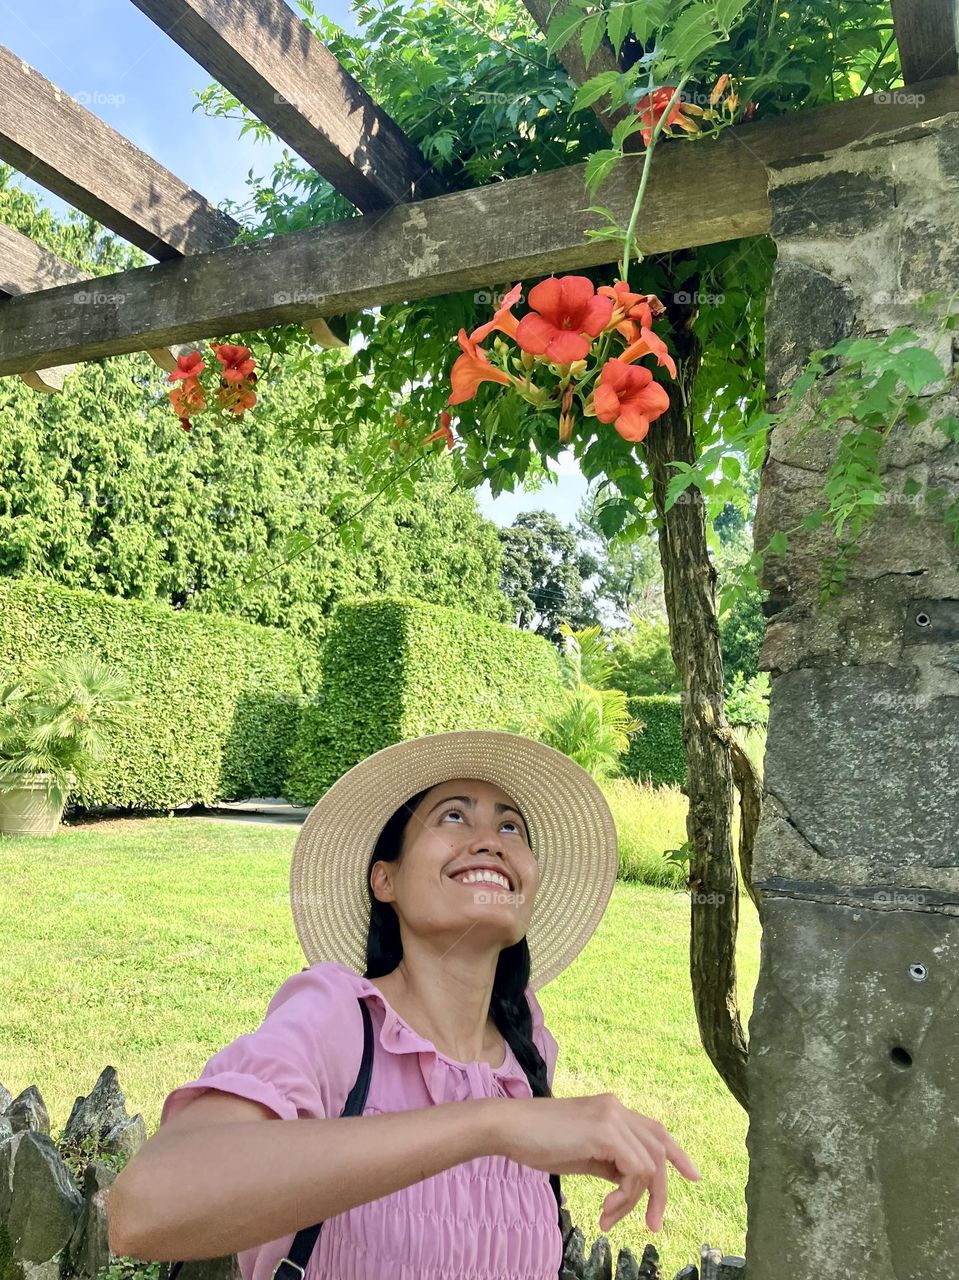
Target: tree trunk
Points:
(689, 580)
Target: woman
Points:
(433, 887)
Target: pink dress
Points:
(487, 1219)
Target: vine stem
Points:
(644, 176)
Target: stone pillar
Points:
(854, 1037)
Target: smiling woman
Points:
(426, 1131)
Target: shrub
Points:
(396, 668)
(217, 698)
(656, 753)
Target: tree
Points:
(100, 488)
(543, 576)
(630, 580)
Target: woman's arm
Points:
(222, 1187)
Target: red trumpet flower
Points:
(472, 368)
(571, 314)
(627, 396)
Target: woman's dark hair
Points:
(508, 1005)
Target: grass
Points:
(150, 944)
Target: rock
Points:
(600, 1263)
(6, 1097)
(627, 1268)
(649, 1264)
(101, 1111)
(709, 1260)
(574, 1255)
(44, 1202)
(28, 1112)
(126, 1137)
(89, 1249)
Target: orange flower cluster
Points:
(687, 115)
(236, 382)
(569, 322)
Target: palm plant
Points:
(589, 722)
(56, 721)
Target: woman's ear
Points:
(380, 882)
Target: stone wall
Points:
(854, 1036)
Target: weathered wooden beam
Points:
(571, 56)
(268, 58)
(466, 240)
(63, 146)
(926, 35)
(26, 267)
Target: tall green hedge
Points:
(396, 668)
(656, 755)
(218, 702)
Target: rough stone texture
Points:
(56, 1229)
(853, 1063)
(45, 1204)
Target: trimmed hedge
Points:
(656, 754)
(397, 668)
(219, 698)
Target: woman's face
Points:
(459, 827)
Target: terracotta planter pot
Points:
(29, 808)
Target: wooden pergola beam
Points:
(63, 146)
(268, 58)
(571, 56)
(466, 240)
(27, 267)
(926, 33)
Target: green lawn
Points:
(149, 944)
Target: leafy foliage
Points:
(643, 660)
(57, 718)
(393, 669)
(216, 707)
(543, 575)
(269, 519)
(479, 93)
(862, 388)
(588, 721)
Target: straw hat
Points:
(570, 824)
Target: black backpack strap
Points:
(293, 1267)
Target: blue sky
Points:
(128, 72)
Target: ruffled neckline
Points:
(398, 1037)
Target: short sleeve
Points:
(302, 1059)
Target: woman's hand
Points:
(599, 1136)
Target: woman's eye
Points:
(506, 821)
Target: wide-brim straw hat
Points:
(571, 827)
